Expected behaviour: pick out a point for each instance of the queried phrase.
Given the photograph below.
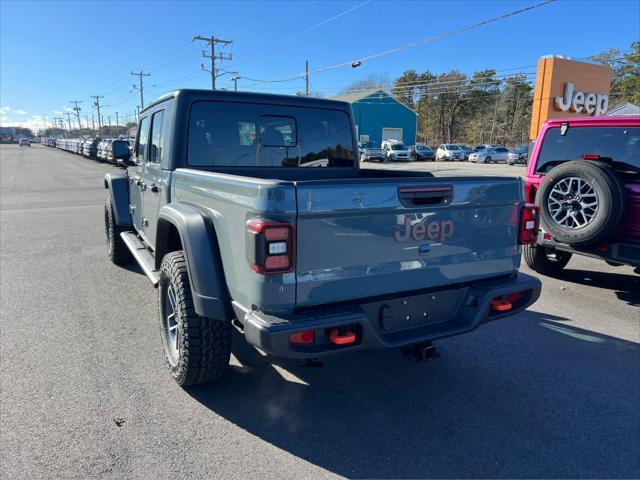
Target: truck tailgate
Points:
(363, 237)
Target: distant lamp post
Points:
(235, 82)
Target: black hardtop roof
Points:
(189, 95)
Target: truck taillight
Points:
(269, 246)
(529, 224)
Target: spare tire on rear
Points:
(581, 202)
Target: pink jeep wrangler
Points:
(584, 173)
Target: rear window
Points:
(248, 135)
(120, 148)
(621, 144)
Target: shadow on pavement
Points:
(525, 397)
(627, 287)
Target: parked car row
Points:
(112, 150)
(393, 150)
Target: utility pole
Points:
(306, 76)
(117, 125)
(97, 104)
(76, 108)
(69, 120)
(109, 118)
(86, 121)
(141, 74)
(495, 115)
(212, 45)
(56, 122)
(235, 82)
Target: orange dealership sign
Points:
(566, 88)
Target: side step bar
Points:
(142, 255)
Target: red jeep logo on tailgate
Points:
(437, 231)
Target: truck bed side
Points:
(229, 201)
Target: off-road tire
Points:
(539, 259)
(610, 195)
(116, 249)
(204, 344)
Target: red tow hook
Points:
(347, 338)
(506, 303)
(500, 305)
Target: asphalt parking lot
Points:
(553, 392)
(454, 168)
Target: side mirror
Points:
(126, 159)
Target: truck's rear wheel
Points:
(547, 261)
(196, 348)
(116, 249)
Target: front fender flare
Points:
(118, 186)
(201, 250)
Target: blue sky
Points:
(53, 52)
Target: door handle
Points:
(425, 195)
(154, 188)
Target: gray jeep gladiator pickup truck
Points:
(250, 211)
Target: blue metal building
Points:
(379, 117)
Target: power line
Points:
(163, 59)
(187, 57)
(296, 34)
(180, 79)
(357, 61)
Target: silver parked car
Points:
(449, 152)
(518, 155)
(466, 151)
(490, 155)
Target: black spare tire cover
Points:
(581, 202)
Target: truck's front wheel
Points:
(547, 261)
(196, 349)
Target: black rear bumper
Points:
(624, 253)
(391, 322)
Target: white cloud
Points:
(57, 112)
(34, 122)
(6, 109)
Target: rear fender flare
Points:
(118, 186)
(199, 242)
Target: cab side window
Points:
(155, 152)
(143, 139)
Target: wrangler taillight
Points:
(530, 192)
(269, 246)
(529, 224)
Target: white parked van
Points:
(395, 151)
